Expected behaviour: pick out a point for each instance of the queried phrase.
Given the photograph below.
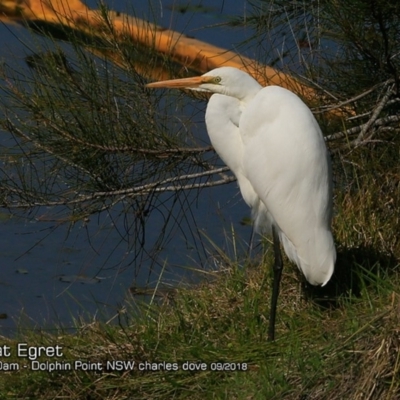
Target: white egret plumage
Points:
(272, 143)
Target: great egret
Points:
(272, 143)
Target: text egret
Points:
(274, 146)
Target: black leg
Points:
(278, 266)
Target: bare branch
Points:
(379, 122)
(374, 116)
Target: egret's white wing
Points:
(286, 161)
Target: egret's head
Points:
(225, 80)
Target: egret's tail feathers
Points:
(315, 256)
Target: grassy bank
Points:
(329, 346)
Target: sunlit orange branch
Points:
(189, 52)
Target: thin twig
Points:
(353, 99)
(123, 149)
(130, 192)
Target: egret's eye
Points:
(217, 79)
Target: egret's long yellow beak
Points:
(193, 82)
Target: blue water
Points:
(41, 258)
